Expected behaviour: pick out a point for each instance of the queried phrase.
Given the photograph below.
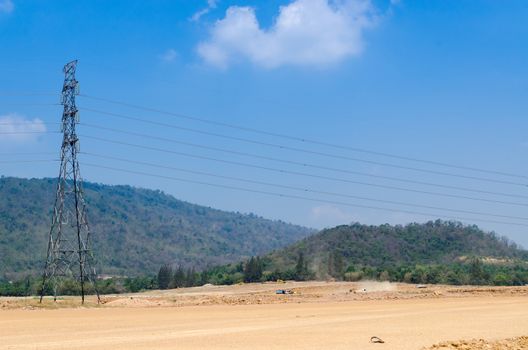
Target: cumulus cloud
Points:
(169, 56)
(15, 128)
(305, 32)
(211, 5)
(6, 6)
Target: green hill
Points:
(134, 230)
(352, 247)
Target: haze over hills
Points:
(385, 246)
(134, 230)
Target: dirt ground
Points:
(319, 315)
(481, 344)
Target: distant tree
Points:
(253, 270)
(190, 278)
(249, 270)
(178, 279)
(336, 265)
(164, 277)
(203, 278)
(302, 273)
(353, 276)
(28, 286)
(300, 267)
(407, 277)
(339, 265)
(502, 279)
(477, 275)
(330, 264)
(259, 269)
(432, 275)
(384, 276)
(239, 267)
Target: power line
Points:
(30, 161)
(282, 171)
(295, 188)
(18, 93)
(30, 123)
(295, 149)
(303, 164)
(303, 140)
(29, 104)
(301, 197)
(24, 153)
(28, 132)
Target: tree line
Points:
(31, 286)
(473, 271)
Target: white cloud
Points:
(211, 5)
(15, 128)
(329, 215)
(169, 56)
(6, 6)
(305, 32)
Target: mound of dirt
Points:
(507, 344)
(133, 302)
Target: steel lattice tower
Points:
(69, 255)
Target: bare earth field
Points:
(319, 315)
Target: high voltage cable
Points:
(301, 188)
(282, 171)
(30, 161)
(24, 153)
(300, 139)
(30, 122)
(295, 149)
(299, 163)
(303, 164)
(28, 132)
(30, 104)
(3, 93)
(300, 197)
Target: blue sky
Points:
(437, 80)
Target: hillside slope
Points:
(134, 230)
(384, 246)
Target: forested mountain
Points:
(134, 230)
(383, 247)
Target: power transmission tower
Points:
(69, 255)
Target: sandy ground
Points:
(481, 344)
(318, 316)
